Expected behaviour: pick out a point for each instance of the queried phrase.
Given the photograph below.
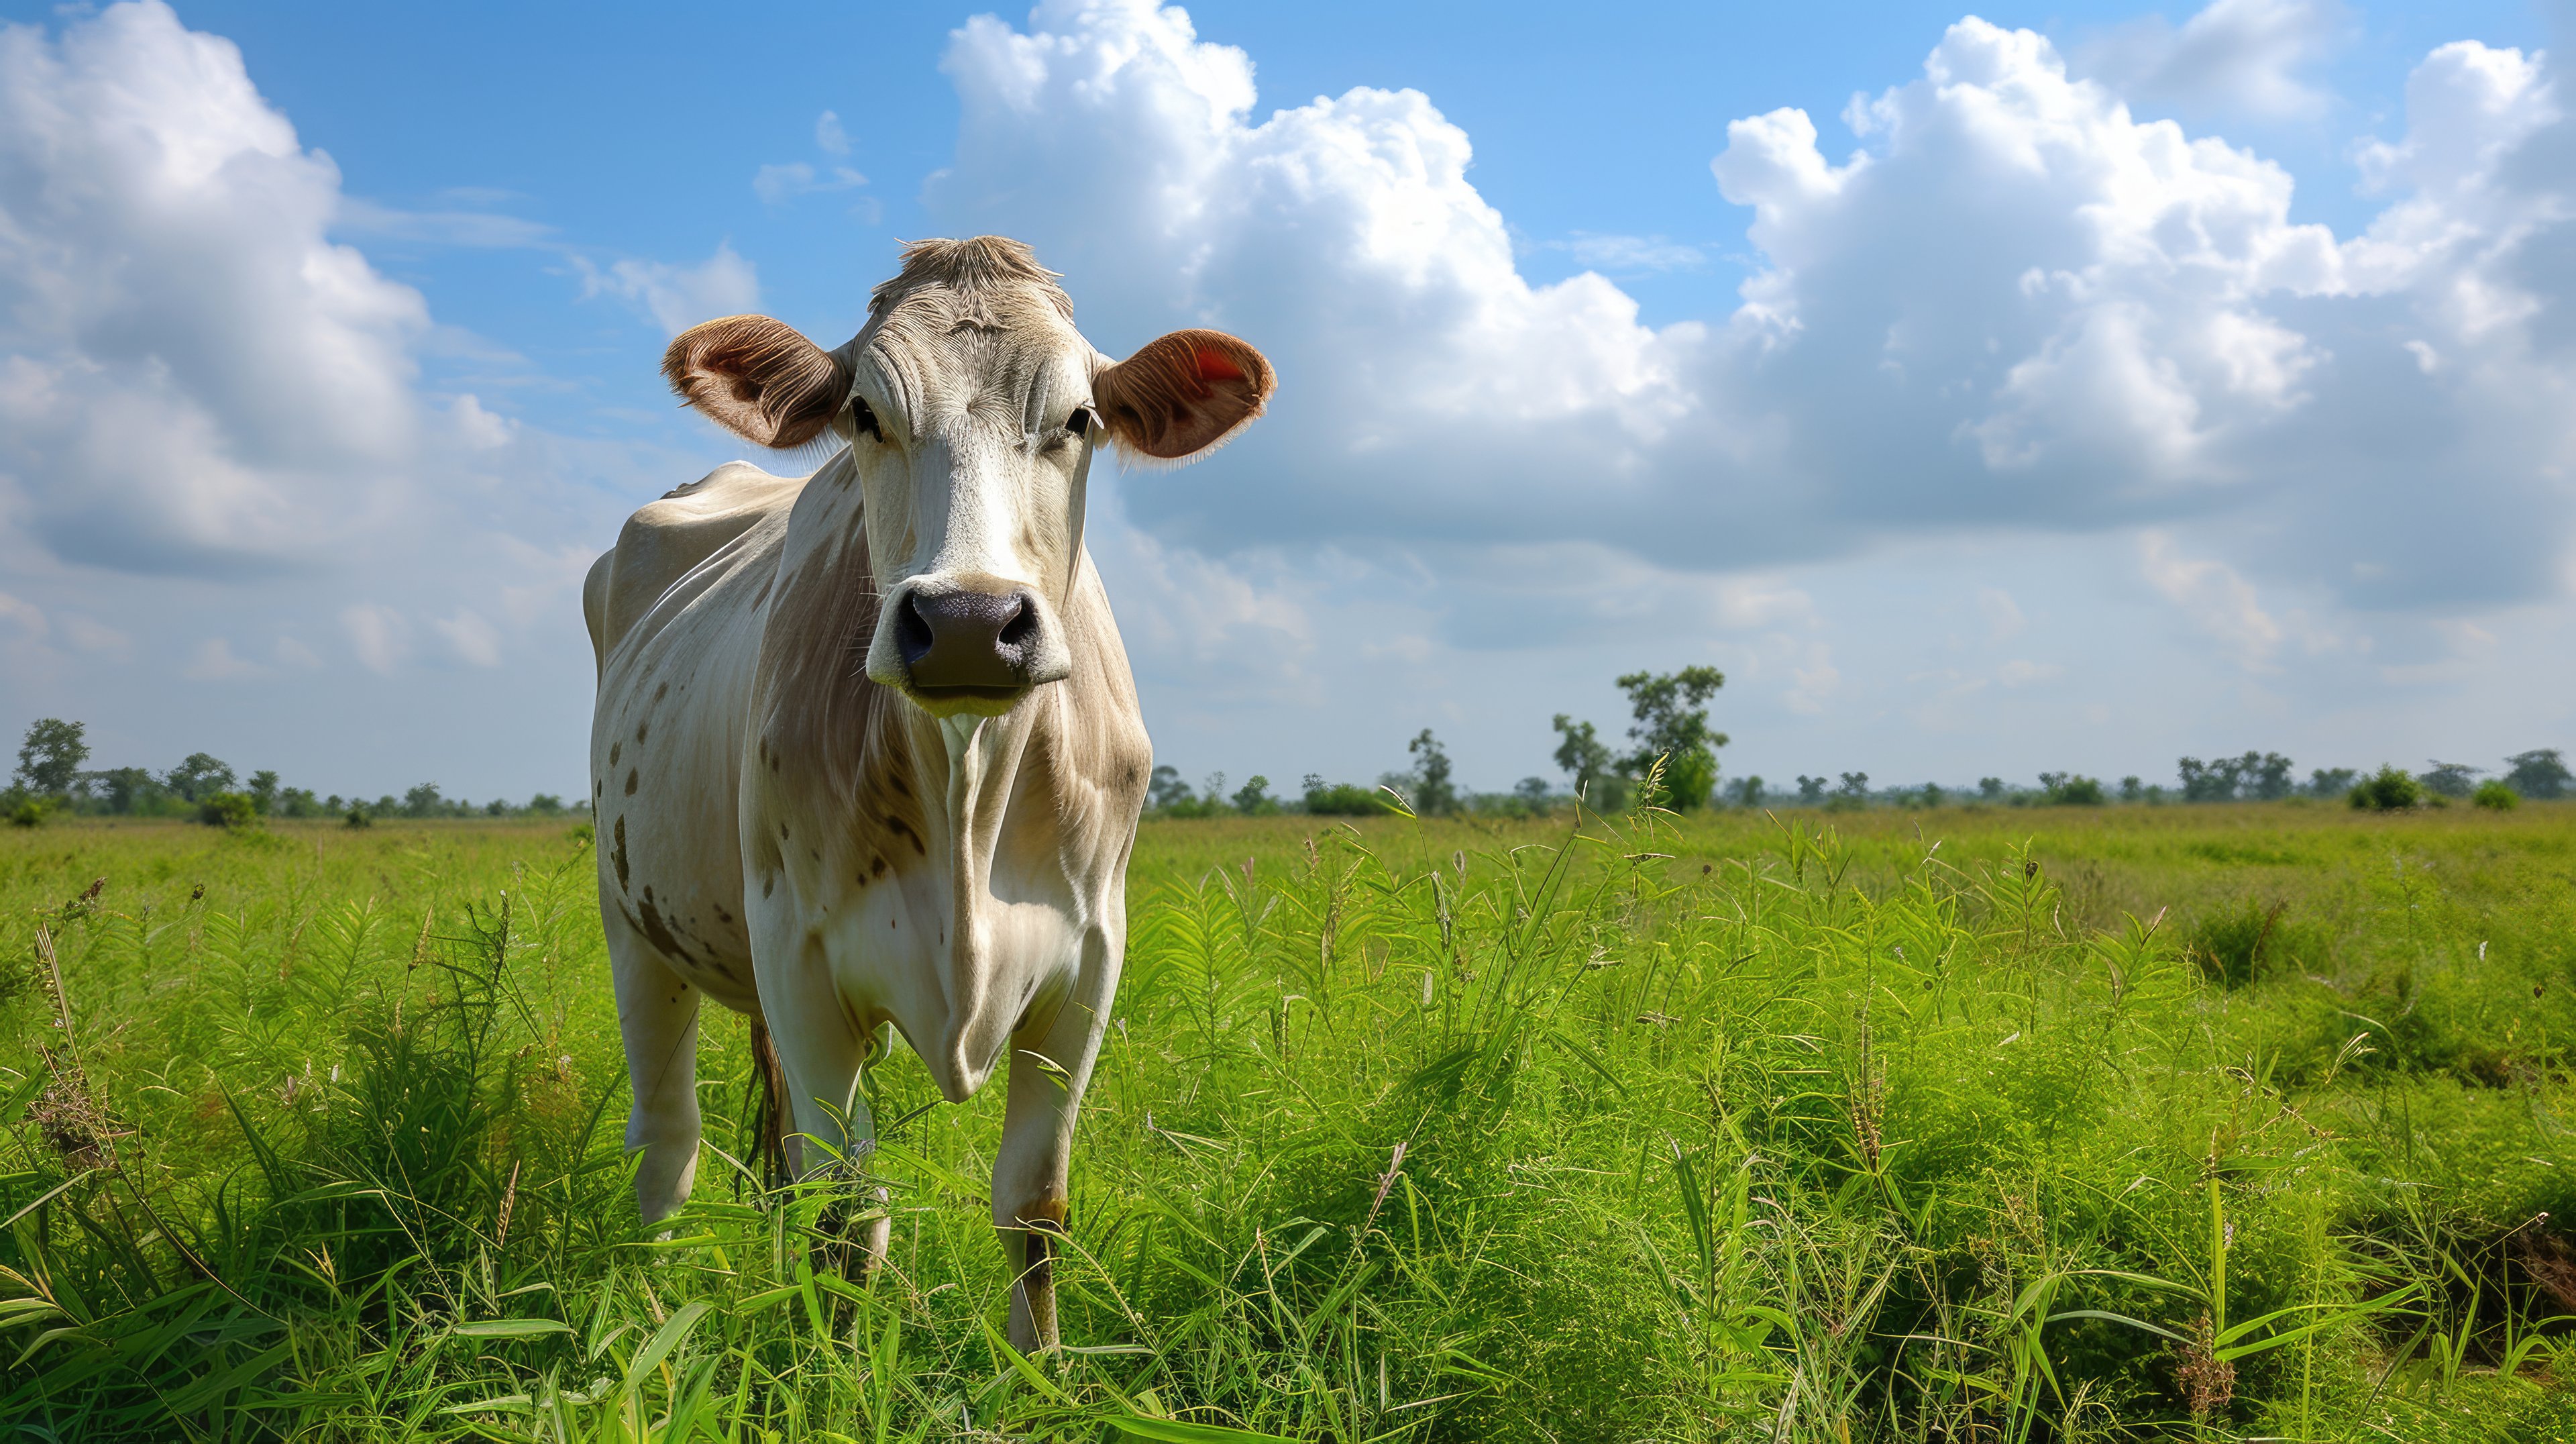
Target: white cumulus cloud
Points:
(677, 297)
(2010, 303)
(192, 377)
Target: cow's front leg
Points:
(1031, 1191)
(825, 1060)
(657, 1016)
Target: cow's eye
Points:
(863, 419)
(1079, 423)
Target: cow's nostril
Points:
(912, 630)
(1022, 628)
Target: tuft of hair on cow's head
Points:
(1183, 394)
(758, 378)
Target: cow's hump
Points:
(666, 539)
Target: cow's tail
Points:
(770, 1115)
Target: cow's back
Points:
(675, 615)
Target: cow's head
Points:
(971, 406)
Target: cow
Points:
(866, 756)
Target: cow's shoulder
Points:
(668, 538)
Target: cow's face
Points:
(971, 407)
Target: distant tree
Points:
(2066, 789)
(1532, 790)
(1671, 711)
(2451, 779)
(2132, 789)
(423, 801)
(300, 802)
(49, 760)
(129, 790)
(199, 777)
(1342, 799)
(2255, 775)
(1990, 788)
(1811, 791)
(263, 790)
(232, 811)
(2539, 775)
(2331, 781)
(2388, 790)
(1433, 793)
(1745, 791)
(1166, 790)
(1253, 798)
(545, 804)
(1855, 785)
(1582, 756)
(2492, 793)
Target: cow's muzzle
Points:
(970, 649)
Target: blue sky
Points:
(2156, 382)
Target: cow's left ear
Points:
(758, 379)
(1183, 394)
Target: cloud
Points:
(1632, 253)
(829, 137)
(777, 184)
(677, 297)
(193, 378)
(378, 635)
(2051, 315)
(2217, 601)
(214, 661)
(2003, 615)
(2243, 57)
(25, 617)
(472, 639)
(91, 635)
(483, 230)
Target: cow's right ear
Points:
(758, 379)
(1183, 394)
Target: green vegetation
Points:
(49, 781)
(2076, 1123)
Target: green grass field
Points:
(2218, 1122)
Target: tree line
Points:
(51, 777)
(1669, 760)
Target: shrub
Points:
(2066, 789)
(2390, 789)
(2247, 942)
(1342, 799)
(232, 811)
(29, 812)
(359, 816)
(2495, 795)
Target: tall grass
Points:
(1734, 1128)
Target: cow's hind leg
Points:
(1031, 1198)
(657, 1015)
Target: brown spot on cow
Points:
(619, 856)
(640, 729)
(721, 915)
(899, 825)
(768, 883)
(662, 691)
(613, 749)
(878, 870)
(649, 919)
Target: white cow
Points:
(866, 750)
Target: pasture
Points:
(2073, 1123)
